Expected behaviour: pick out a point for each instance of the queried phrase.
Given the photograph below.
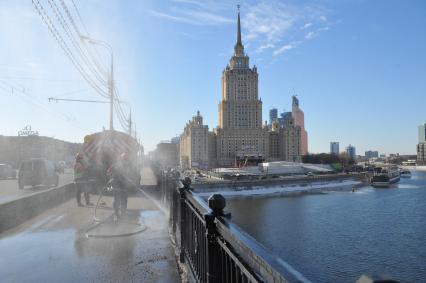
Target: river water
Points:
(338, 236)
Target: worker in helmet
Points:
(81, 181)
(119, 175)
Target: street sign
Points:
(27, 131)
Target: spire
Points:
(239, 27)
(295, 100)
(238, 48)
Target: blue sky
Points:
(358, 67)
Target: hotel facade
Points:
(240, 137)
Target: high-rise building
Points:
(421, 153)
(240, 134)
(372, 154)
(421, 146)
(284, 142)
(240, 138)
(351, 151)
(334, 148)
(422, 133)
(283, 116)
(194, 144)
(299, 120)
(292, 142)
(273, 115)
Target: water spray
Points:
(110, 188)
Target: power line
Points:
(123, 121)
(118, 106)
(89, 64)
(80, 18)
(76, 100)
(25, 95)
(77, 31)
(39, 79)
(88, 34)
(70, 93)
(60, 18)
(47, 21)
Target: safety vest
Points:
(79, 171)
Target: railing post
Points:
(173, 200)
(217, 203)
(182, 204)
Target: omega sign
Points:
(27, 131)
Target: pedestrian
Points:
(120, 179)
(81, 181)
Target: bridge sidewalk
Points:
(54, 247)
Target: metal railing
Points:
(215, 249)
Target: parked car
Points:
(60, 167)
(37, 172)
(7, 172)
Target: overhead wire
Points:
(60, 18)
(25, 95)
(47, 21)
(125, 123)
(14, 90)
(89, 66)
(88, 34)
(73, 92)
(118, 107)
(79, 35)
(39, 79)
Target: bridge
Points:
(61, 244)
(169, 234)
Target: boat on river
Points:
(405, 173)
(385, 176)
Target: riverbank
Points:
(284, 190)
(421, 168)
(205, 183)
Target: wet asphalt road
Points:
(54, 246)
(9, 188)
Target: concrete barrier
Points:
(16, 212)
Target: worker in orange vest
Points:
(120, 178)
(81, 178)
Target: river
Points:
(338, 236)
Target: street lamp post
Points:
(110, 78)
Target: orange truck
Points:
(103, 149)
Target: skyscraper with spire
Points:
(240, 137)
(240, 132)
